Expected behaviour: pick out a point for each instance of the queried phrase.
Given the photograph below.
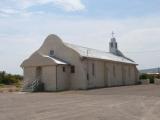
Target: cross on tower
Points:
(113, 34)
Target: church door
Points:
(38, 73)
(91, 75)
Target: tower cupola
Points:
(113, 46)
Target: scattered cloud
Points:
(12, 7)
(8, 11)
(70, 5)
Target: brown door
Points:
(38, 73)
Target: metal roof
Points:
(56, 60)
(93, 53)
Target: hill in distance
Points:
(152, 70)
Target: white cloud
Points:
(11, 7)
(70, 5)
(8, 11)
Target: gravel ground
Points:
(140, 102)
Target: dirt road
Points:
(119, 103)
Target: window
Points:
(116, 45)
(129, 71)
(114, 71)
(64, 69)
(111, 44)
(87, 76)
(51, 53)
(93, 69)
(72, 69)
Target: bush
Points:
(18, 77)
(143, 76)
(158, 76)
(147, 76)
(151, 78)
(8, 79)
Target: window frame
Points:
(116, 45)
(114, 71)
(111, 44)
(72, 69)
(64, 69)
(129, 71)
(51, 53)
(87, 76)
(93, 69)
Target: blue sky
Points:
(121, 8)
(26, 23)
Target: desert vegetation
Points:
(10, 82)
(151, 77)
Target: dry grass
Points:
(9, 88)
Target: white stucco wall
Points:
(111, 81)
(105, 76)
(118, 76)
(99, 74)
(63, 78)
(132, 75)
(29, 74)
(97, 79)
(49, 78)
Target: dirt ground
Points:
(9, 88)
(140, 102)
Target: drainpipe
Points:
(87, 71)
(56, 79)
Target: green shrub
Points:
(147, 76)
(151, 78)
(143, 76)
(8, 79)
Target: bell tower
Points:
(113, 47)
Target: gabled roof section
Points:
(38, 59)
(97, 54)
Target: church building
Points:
(58, 66)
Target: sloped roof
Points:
(56, 60)
(38, 59)
(98, 54)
